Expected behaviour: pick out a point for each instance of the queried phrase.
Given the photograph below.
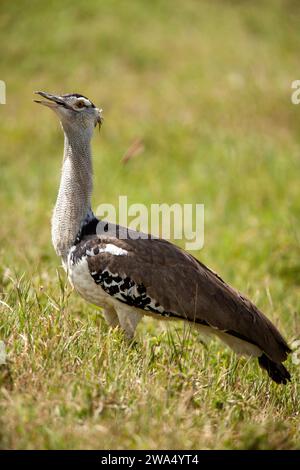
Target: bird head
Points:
(75, 111)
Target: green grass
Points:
(206, 86)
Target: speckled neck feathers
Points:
(74, 196)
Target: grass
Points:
(206, 87)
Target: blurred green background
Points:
(206, 87)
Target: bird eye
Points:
(80, 104)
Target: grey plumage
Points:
(132, 277)
(74, 196)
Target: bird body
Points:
(129, 275)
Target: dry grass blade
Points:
(135, 149)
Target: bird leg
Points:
(111, 317)
(128, 319)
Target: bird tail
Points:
(276, 370)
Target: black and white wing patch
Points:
(110, 267)
(127, 291)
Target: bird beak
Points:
(52, 101)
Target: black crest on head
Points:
(78, 95)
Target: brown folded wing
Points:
(182, 285)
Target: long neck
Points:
(74, 195)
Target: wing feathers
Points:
(185, 288)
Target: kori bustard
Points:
(129, 276)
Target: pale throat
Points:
(73, 204)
